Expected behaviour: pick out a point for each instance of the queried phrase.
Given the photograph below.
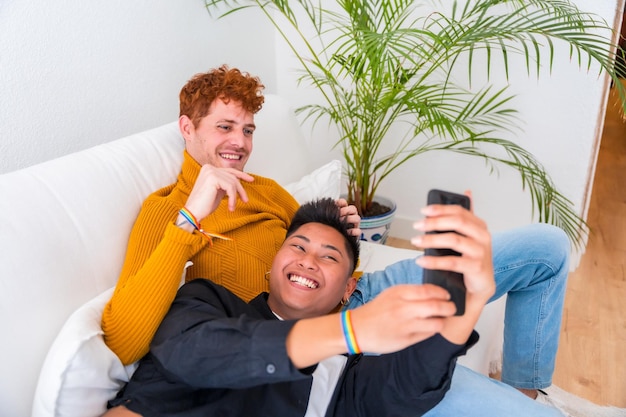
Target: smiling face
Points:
(222, 138)
(310, 273)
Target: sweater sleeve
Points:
(155, 260)
(416, 379)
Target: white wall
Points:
(562, 114)
(74, 73)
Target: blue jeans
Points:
(475, 395)
(531, 264)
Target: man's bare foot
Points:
(532, 393)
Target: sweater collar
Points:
(189, 172)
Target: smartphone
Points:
(451, 281)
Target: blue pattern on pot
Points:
(376, 229)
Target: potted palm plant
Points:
(384, 63)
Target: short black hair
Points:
(326, 211)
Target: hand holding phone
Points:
(451, 281)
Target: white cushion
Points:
(325, 181)
(80, 373)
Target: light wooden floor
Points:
(591, 361)
(592, 353)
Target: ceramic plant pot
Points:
(376, 229)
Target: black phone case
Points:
(451, 281)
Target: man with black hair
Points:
(290, 353)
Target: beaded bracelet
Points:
(196, 225)
(348, 333)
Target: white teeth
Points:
(230, 156)
(303, 281)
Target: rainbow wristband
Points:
(348, 333)
(190, 218)
(196, 225)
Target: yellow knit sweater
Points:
(158, 251)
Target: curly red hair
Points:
(224, 83)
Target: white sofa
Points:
(63, 235)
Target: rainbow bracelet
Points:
(196, 225)
(190, 218)
(348, 333)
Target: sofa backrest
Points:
(65, 224)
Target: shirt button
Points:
(270, 368)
